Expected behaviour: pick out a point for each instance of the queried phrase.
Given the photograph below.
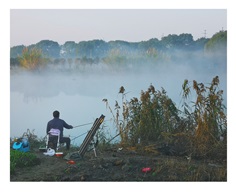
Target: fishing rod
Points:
(83, 125)
(86, 124)
(88, 131)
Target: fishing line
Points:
(79, 136)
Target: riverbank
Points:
(123, 164)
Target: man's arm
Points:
(67, 126)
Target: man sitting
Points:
(57, 123)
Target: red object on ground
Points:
(71, 162)
(59, 154)
(146, 169)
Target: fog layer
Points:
(78, 94)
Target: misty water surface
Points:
(78, 95)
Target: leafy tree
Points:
(217, 40)
(115, 58)
(200, 43)
(92, 49)
(152, 43)
(16, 51)
(31, 59)
(50, 49)
(217, 44)
(68, 50)
(14, 62)
(182, 41)
(216, 49)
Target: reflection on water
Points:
(78, 96)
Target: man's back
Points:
(57, 123)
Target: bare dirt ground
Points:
(122, 164)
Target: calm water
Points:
(78, 96)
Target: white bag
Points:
(50, 152)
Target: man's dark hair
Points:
(56, 114)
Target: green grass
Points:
(20, 159)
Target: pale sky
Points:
(29, 26)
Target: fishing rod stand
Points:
(94, 150)
(88, 139)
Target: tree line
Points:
(169, 48)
